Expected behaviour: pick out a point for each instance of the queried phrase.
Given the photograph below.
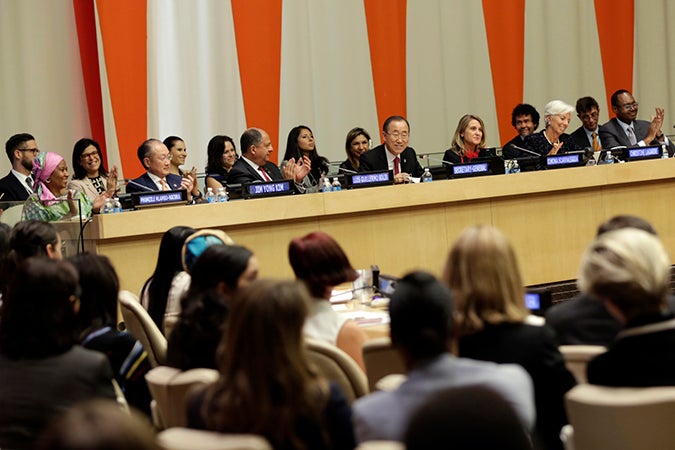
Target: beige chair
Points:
(381, 360)
(12, 215)
(169, 387)
(140, 325)
(577, 357)
(337, 366)
(380, 445)
(621, 418)
(189, 439)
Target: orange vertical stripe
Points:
(616, 25)
(386, 21)
(505, 29)
(124, 35)
(257, 26)
(85, 21)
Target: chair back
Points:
(169, 387)
(12, 215)
(380, 445)
(577, 357)
(621, 418)
(189, 439)
(335, 365)
(381, 359)
(140, 325)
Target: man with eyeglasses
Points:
(588, 134)
(156, 159)
(626, 130)
(394, 154)
(18, 184)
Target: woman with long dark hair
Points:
(221, 156)
(90, 175)
(300, 144)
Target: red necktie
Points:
(397, 168)
(264, 174)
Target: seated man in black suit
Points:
(394, 154)
(626, 130)
(255, 165)
(156, 159)
(18, 184)
(588, 134)
(525, 119)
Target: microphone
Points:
(133, 183)
(525, 150)
(342, 169)
(431, 158)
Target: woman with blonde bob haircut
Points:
(483, 275)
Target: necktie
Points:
(596, 142)
(29, 182)
(165, 186)
(631, 136)
(397, 168)
(264, 174)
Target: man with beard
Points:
(18, 184)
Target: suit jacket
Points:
(242, 172)
(612, 135)
(385, 415)
(13, 189)
(508, 152)
(172, 180)
(581, 138)
(376, 159)
(85, 186)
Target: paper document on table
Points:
(366, 318)
(341, 295)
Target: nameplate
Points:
(473, 169)
(369, 179)
(268, 189)
(640, 153)
(158, 198)
(559, 161)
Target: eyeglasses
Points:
(586, 116)
(396, 135)
(165, 157)
(630, 106)
(34, 151)
(89, 155)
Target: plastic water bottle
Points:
(426, 176)
(107, 206)
(664, 151)
(336, 186)
(221, 195)
(210, 196)
(325, 185)
(117, 205)
(609, 159)
(515, 167)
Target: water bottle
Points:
(336, 186)
(609, 159)
(426, 176)
(107, 206)
(221, 195)
(210, 196)
(117, 205)
(664, 151)
(325, 185)
(515, 167)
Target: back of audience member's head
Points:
(630, 269)
(196, 243)
(223, 267)
(421, 316)
(319, 261)
(483, 275)
(5, 232)
(39, 312)
(99, 288)
(467, 418)
(98, 425)
(625, 221)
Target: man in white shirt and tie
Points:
(626, 130)
(156, 159)
(18, 184)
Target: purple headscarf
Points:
(43, 167)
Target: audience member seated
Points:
(394, 154)
(356, 144)
(525, 119)
(5, 232)
(266, 385)
(91, 177)
(42, 370)
(156, 159)
(17, 185)
(52, 200)
(467, 418)
(468, 142)
(98, 425)
(629, 271)
(588, 134)
(216, 275)
(178, 153)
(484, 277)
(221, 156)
(97, 328)
(155, 291)
(552, 139)
(626, 130)
(301, 144)
(319, 261)
(255, 165)
(584, 321)
(421, 327)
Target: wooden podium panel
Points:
(550, 216)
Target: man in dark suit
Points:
(255, 165)
(156, 159)
(17, 185)
(525, 119)
(588, 134)
(626, 130)
(394, 154)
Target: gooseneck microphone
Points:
(525, 150)
(139, 185)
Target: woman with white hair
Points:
(629, 271)
(553, 139)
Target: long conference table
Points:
(550, 217)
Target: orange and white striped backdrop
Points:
(124, 70)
